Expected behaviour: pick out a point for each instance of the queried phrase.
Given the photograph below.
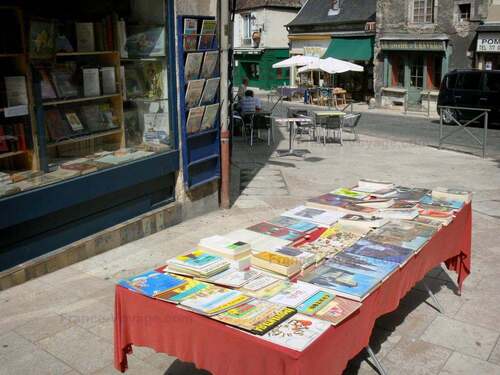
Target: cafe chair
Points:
(252, 122)
(303, 128)
(350, 123)
(330, 124)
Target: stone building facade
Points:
(417, 42)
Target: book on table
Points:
(298, 332)
(348, 193)
(410, 194)
(179, 294)
(317, 216)
(453, 203)
(268, 291)
(408, 234)
(293, 224)
(225, 247)
(233, 278)
(257, 316)
(445, 194)
(315, 303)
(281, 264)
(376, 268)
(340, 205)
(152, 283)
(197, 263)
(214, 300)
(383, 251)
(374, 185)
(441, 213)
(359, 222)
(303, 257)
(295, 294)
(338, 310)
(276, 231)
(259, 283)
(258, 241)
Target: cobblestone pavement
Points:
(62, 323)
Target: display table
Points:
(223, 350)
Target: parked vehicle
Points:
(470, 88)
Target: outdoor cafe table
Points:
(223, 350)
(291, 121)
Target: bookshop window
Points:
(397, 78)
(85, 89)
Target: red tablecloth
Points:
(223, 350)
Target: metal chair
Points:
(253, 122)
(310, 128)
(350, 123)
(328, 123)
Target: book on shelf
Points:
(210, 91)
(215, 300)
(338, 310)
(208, 27)
(145, 41)
(281, 264)
(207, 36)
(315, 303)
(15, 87)
(315, 215)
(156, 128)
(225, 247)
(194, 119)
(206, 42)
(383, 251)
(152, 283)
(210, 117)
(356, 286)
(91, 82)
(73, 121)
(190, 42)
(42, 40)
(445, 194)
(47, 87)
(108, 79)
(193, 93)
(276, 231)
(13, 137)
(57, 128)
(85, 38)
(96, 117)
(210, 62)
(193, 66)
(297, 333)
(408, 234)
(257, 317)
(190, 26)
(295, 294)
(134, 82)
(63, 77)
(121, 38)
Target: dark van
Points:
(471, 89)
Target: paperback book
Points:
(387, 252)
(258, 241)
(213, 301)
(276, 231)
(193, 93)
(194, 119)
(315, 215)
(408, 234)
(233, 278)
(338, 310)
(455, 204)
(225, 247)
(179, 294)
(293, 224)
(359, 222)
(193, 66)
(295, 294)
(210, 62)
(376, 268)
(302, 257)
(298, 332)
(210, 91)
(152, 283)
(209, 117)
(315, 303)
(281, 264)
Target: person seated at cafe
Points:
(242, 89)
(249, 103)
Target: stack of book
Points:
(276, 263)
(237, 252)
(197, 263)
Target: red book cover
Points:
(21, 137)
(276, 231)
(109, 33)
(310, 237)
(3, 143)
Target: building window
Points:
(252, 70)
(423, 11)
(463, 12)
(397, 71)
(247, 29)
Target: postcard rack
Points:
(199, 110)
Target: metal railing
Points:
(452, 113)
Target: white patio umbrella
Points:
(331, 66)
(297, 60)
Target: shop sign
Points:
(412, 45)
(488, 42)
(314, 51)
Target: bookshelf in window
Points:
(199, 77)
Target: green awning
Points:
(354, 49)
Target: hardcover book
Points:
(387, 252)
(408, 234)
(276, 231)
(73, 121)
(348, 284)
(298, 332)
(91, 82)
(194, 119)
(193, 93)
(57, 128)
(210, 62)
(42, 40)
(209, 117)
(193, 66)
(15, 87)
(338, 310)
(108, 77)
(210, 91)
(376, 268)
(85, 39)
(63, 78)
(257, 316)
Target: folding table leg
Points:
(374, 358)
(438, 306)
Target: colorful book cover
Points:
(208, 27)
(190, 42)
(152, 283)
(410, 194)
(210, 91)
(321, 248)
(197, 259)
(209, 67)
(298, 332)
(339, 237)
(257, 316)
(209, 117)
(442, 202)
(343, 282)
(276, 231)
(295, 294)
(338, 310)
(193, 66)
(190, 26)
(190, 288)
(212, 301)
(293, 224)
(206, 42)
(376, 268)
(315, 303)
(193, 93)
(387, 252)
(316, 215)
(411, 235)
(349, 193)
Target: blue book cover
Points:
(447, 203)
(373, 267)
(151, 283)
(294, 224)
(390, 253)
(315, 303)
(408, 234)
(345, 283)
